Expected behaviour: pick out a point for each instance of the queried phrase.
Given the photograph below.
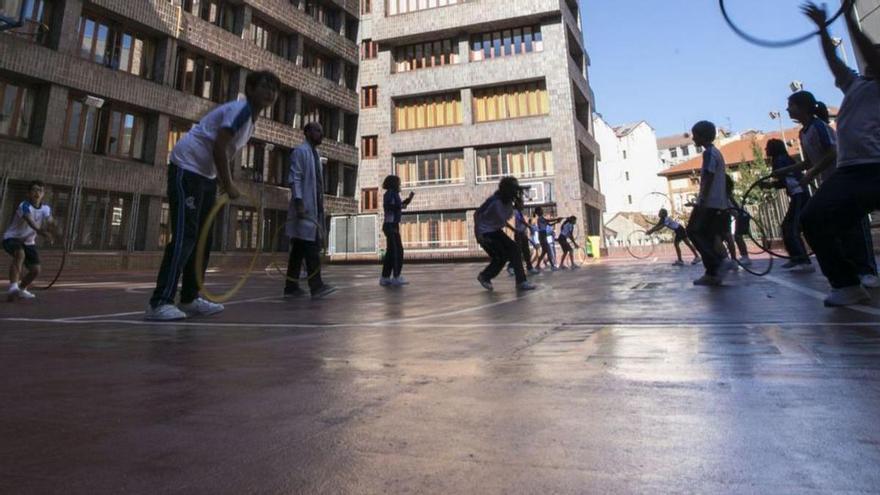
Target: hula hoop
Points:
(277, 267)
(762, 245)
(64, 252)
(776, 43)
(629, 246)
(659, 197)
(200, 256)
(766, 248)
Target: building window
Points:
(510, 102)
(349, 181)
(247, 228)
(673, 152)
(496, 44)
(627, 176)
(217, 12)
(324, 14)
(276, 170)
(699, 149)
(273, 40)
(37, 16)
(319, 64)
(164, 226)
(425, 55)
(283, 110)
(430, 169)
(369, 146)
(370, 199)
(427, 112)
(369, 49)
(523, 161)
(328, 117)
(685, 151)
(104, 218)
(253, 160)
(394, 7)
(17, 110)
(176, 131)
(111, 131)
(366, 7)
(351, 75)
(629, 199)
(624, 154)
(115, 46)
(368, 96)
(203, 77)
(331, 178)
(434, 230)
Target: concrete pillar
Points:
(244, 22)
(55, 112)
(156, 140)
(467, 107)
(166, 61)
(464, 50)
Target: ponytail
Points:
(808, 102)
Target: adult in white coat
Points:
(305, 215)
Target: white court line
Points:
(561, 326)
(460, 311)
(819, 295)
(132, 313)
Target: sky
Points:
(674, 62)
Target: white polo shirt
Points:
(716, 196)
(19, 228)
(195, 151)
(817, 139)
(858, 122)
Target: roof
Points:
(684, 139)
(623, 130)
(739, 151)
(634, 217)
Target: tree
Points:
(749, 173)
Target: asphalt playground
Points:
(619, 377)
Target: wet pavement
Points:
(616, 378)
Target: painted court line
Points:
(132, 313)
(819, 295)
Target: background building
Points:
(160, 65)
(628, 168)
(680, 148)
(455, 95)
(869, 19)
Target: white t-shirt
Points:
(195, 151)
(19, 228)
(858, 122)
(817, 138)
(716, 196)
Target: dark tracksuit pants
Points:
(393, 262)
(522, 240)
(838, 207)
(190, 199)
(705, 225)
(310, 252)
(791, 228)
(501, 249)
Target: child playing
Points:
(195, 163)
(566, 233)
(680, 236)
(709, 219)
(32, 218)
(741, 226)
(545, 227)
(853, 191)
(798, 196)
(489, 222)
(393, 206)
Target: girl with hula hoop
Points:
(680, 236)
(566, 234)
(798, 196)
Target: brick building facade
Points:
(160, 65)
(456, 94)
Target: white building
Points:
(628, 168)
(680, 148)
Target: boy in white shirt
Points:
(32, 218)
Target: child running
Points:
(709, 219)
(566, 234)
(393, 206)
(32, 218)
(490, 220)
(798, 196)
(680, 236)
(853, 191)
(545, 225)
(203, 154)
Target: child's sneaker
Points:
(526, 286)
(678, 263)
(486, 283)
(554, 269)
(534, 271)
(803, 268)
(745, 261)
(510, 271)
(708, 281)
(201, 307)
(324, 291)
(26, 294)
(398, 281)
(164, 312)
(384, 281)
(697, 261)
(868, 281)
(847, 296)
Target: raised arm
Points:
(820, 17)
(221, 160)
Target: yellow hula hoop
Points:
(277, 267)
(200, 255)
